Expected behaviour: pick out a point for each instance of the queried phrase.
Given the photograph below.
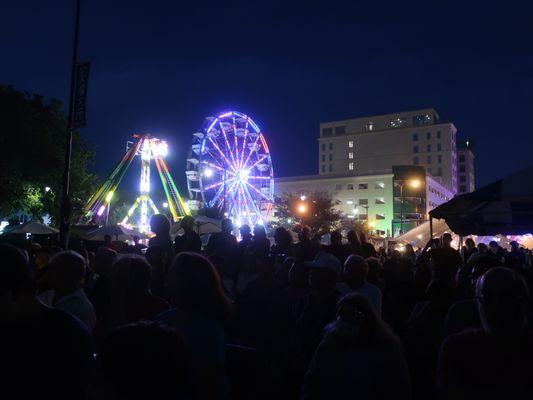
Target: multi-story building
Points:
(371, 145)
(389, 203)
(465, 167)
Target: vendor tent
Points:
(502, 207)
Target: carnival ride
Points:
(148, 148)
(229, 168)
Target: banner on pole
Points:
(80, 98)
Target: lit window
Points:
(369, 126)
(350, 166)
(350, 144)
(398, 122)
(380, 185)
(380, 200)
(350, 155)
(363, 186)
(349, 201)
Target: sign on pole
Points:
(80, 99)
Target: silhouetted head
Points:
(136, 239)
(494, 247)
(447, 240)
(469, 243)
(187, 223)
(355, 271)
(132, 272)
(103, 260)
(142, 361)
(194, 285)
(352, 237)
(67, 271)
(324, 272)
(502, 300)
(227, 225)
(160, 225)
(245, 231)
(336, 238)
(304, 235)
(259, 231)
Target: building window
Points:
(415, 149)
(330, 168)
(461, 158)
(323, 157)
(323, 168)
(462, 188)
(398, 122)
(349, 186)
(363, 186)
(350, 166)
(338, 186)
(429, 159)
(363, 217)
(415, 137)
(350, 144)
(380, 185)
(462, 178)
(428, 135)
(415, 160)
(363, 202)
(439, 171)
(340, 130)
(323, 146)
(327, 131)
(439, 158)
(380, 216)
(331, 146)
(380, 200)
(369, 126)
(439, 147)
(429, 148)
(349, 202)
(350, 155)
(330, 157)
(438, 135)
(462, 168)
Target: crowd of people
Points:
(244, 319)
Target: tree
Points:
(32, 139)
(316, 210)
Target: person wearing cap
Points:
(318, 308)
(354, 281)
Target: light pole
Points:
(413, 183)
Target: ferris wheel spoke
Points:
(219, 168)
(254, 203)
(245, 201)
(228, 147)
(236, 141)
(214, 185)
(244, 142)
(222, 154)
(258, 161)
(251, 150)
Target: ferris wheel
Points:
(229, 167)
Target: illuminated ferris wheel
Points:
(229, 167)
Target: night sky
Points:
(163, 66)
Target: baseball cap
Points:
(325, 260)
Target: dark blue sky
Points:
(162, 66)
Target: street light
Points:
(47, 189)
(302, 208)
(414, 184)
(165, 204)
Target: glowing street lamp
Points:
(165, 204)
(47, 189)
(412, 183)
(302, 208)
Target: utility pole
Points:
(66, 206)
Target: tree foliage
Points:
(320, 214)
(32, 139)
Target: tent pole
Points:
(430, 227)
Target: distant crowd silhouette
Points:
(247, 320)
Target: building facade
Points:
(372, 145)
(386, 202)
(465, 167)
